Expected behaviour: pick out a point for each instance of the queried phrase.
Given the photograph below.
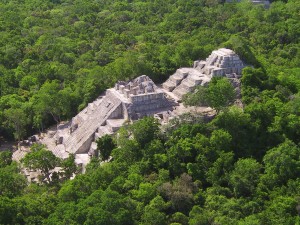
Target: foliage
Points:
(57, 56)
(5, 158)
(105, 145)
(240, 167)
(218, 95)
(69, 167)
(12, 182)
(42, 160)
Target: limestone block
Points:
(126, 93)
(169, 87)
(196, 63)
(175, 79)
(133, 91)
(121, 89)
(97, 136)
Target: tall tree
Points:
(42, 160)
(18, 120)
(219, 94)
(245, 177)
(105, 145)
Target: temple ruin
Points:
(222, 62)
(127, 101)
(131, 100)
(265, 3)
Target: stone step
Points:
(194, 79)
(114, 124)
(169, 85)
(187, 84)
(181, 73)
(97, 135)
(103, 130)
(180, 92)
(211, 59)
(18, 155)
(175, 79)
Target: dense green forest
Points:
(241, 167)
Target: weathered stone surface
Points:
(222, 62)
(126, 101)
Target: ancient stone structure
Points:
(265, 3)
(222, 62)
(126, 101)
(141, 97)
(132, 100)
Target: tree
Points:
(245, 177)
(282, 163)
(240, 127)
(180, 193)
(220, 140)
(42, 160)
(52, 99)
(69, 167)
(281, 210)
(218, 174)
(179, 218)
(145, 130)
(105, 145)
(199, 216)
(197, 98)
(12, 182)
(18, 119)
(153, 216)
(219, 94)
(8, 211)
(107, 207)
(5, 158)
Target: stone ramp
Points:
(82, 137)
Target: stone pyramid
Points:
(221, 62)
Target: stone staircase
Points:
(84, 138)
(188, 84)
(175, 79)
(80, 140)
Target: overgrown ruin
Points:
(223, 62)
(131, 100)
